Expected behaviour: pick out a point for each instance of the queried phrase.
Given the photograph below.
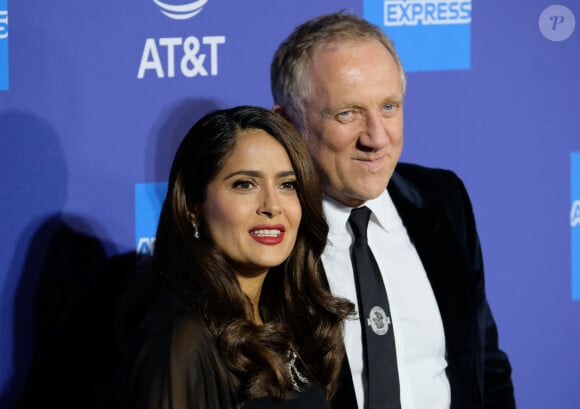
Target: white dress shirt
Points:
(417, 325)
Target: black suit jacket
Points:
(438, 216)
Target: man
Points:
(339, 80)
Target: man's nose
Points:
(375, 135)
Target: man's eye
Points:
(345, 116)
(390, 108)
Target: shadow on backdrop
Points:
(74, 303)
(58, 302)
(34, 178)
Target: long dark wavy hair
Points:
(298, 311)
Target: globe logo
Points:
(181, 11)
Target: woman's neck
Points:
(252, 287)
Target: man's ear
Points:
(278, 109)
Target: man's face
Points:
(354, 118)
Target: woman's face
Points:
(252, 208)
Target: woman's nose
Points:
(270, 205)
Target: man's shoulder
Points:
(418, 173)
(426, 179)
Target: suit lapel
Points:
(437, 245)
(448, 272)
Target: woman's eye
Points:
(242, 184)
(290, 185)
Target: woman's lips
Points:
(268, 234)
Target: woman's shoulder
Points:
(182, 337)
(181, 363)
(190, 334)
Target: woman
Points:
(243, 316)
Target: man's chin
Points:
(355, 197)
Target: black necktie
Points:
(380, 366)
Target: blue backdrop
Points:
(95, 96)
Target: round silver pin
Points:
(378, 321)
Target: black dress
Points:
(177, 366)
(308, 398)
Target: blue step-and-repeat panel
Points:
(95, 96)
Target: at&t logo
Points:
(181, 11)
(189, 56)
(186, 51)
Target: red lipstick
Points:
(269, 234)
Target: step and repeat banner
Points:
(95, 97)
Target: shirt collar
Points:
(383, 210)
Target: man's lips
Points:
(372, 163)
